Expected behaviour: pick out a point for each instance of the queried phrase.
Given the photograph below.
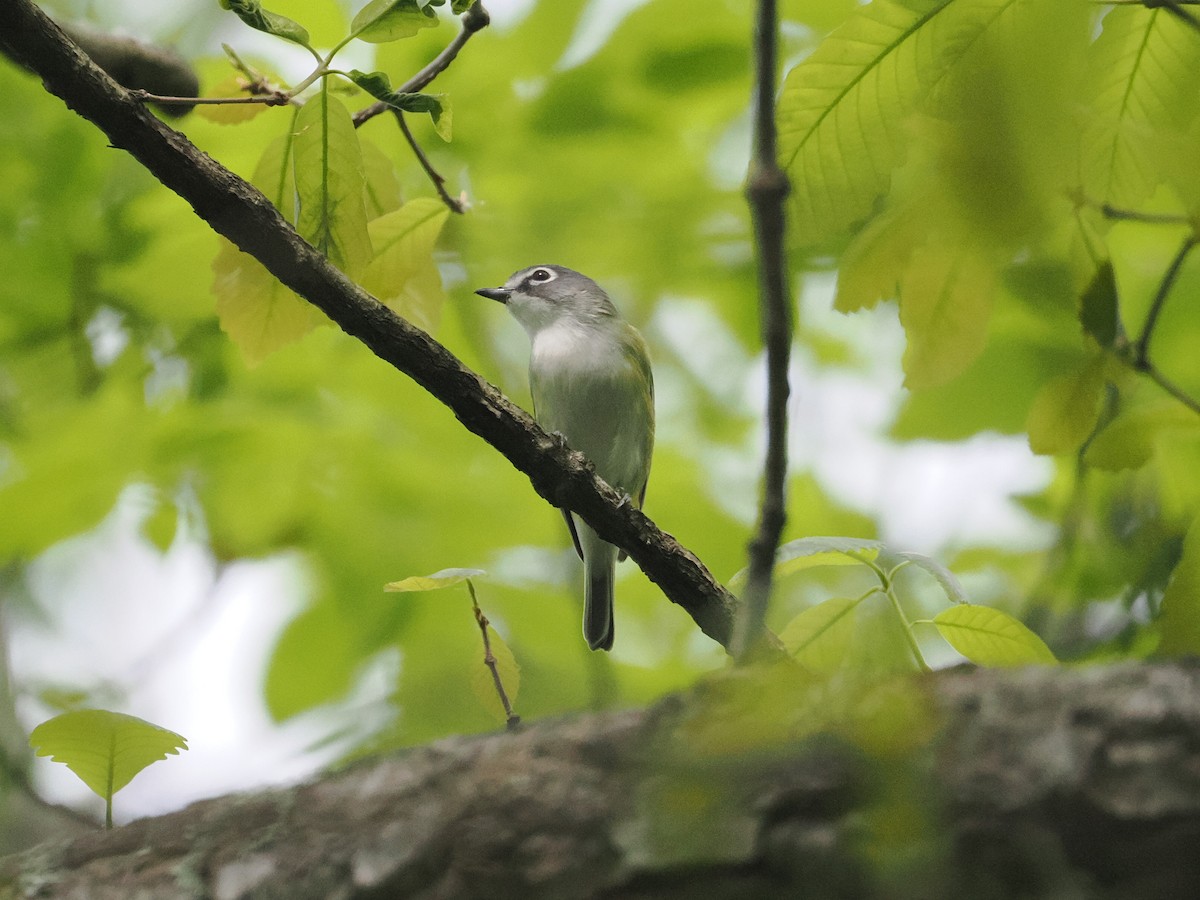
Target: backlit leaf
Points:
(808, 553)
(949, 583)
(1065, 410)
(252, 13)
(381, 21)
(989, 637)
(105, 749)
(403, 275)
(1127, 442)
(1142, 75)
(330, 183)
(820, 636)
(436, 581)
(946, 297)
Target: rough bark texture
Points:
(1040, 783)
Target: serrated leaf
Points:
(1099, 313)
(1127, 442)
(381, 21)
(842, 110)
(330, 183)
(946, 296)
(1142, 72)
(820, 636)
(483, 683)
(259, 313)
(949, 583)
(252, 13)
(1065, 410)
(1179, 622)
(871, 266)
(989, 637)
(434, 582)
(105, 749)
(403, 275)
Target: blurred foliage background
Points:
(178, 528)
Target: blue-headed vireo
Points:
(589, 374)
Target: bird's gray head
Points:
(540, 296)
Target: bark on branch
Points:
(242, 214)
(1040, 784)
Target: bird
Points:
(590, 377)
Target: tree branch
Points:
(242, 214)
(766, 191)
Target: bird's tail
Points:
(599, 571)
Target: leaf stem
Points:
(1141, 354)
(439, 183)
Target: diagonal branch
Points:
(766, 191)
(242, 214)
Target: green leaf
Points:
(808, 553)
(989, 637)
(330, 183)
(105, 749)
(460, 6)
(1128, 441)
(252, 13)
(1179, 622)
(381, 21)
(946, 297)
(820, 636)
(842, 111)
(1098, 310)
(379, 86)
(1065, 410)
(483, 683)
(1142, 72)
(434, 582)
(403, 274)
(950, 584)
(872, 265)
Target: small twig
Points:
(279, 98)
(1151, 371)
(439, 183)
(1141, 350)
(766, 191)
(1111, 212)
(474, 19)
(511, 719)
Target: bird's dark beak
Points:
(500, 295)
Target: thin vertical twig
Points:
(1141, 350)
(766, 190)
(439, 183)
(511, 719)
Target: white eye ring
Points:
(541, 276)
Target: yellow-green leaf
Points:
(1143, 78)
(945, 578)
(1127, 442)
(808, 553)
(1065, 410)
(258, 313)
(820, 636)
(871, 266)
(105, 749)
(381, 21)
(483, 682)
(436, 581)
(330, 183)
(946, 297)
(989, 637)
(403, 275)
(1179, 622)
(382, 186)
(229, 113)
